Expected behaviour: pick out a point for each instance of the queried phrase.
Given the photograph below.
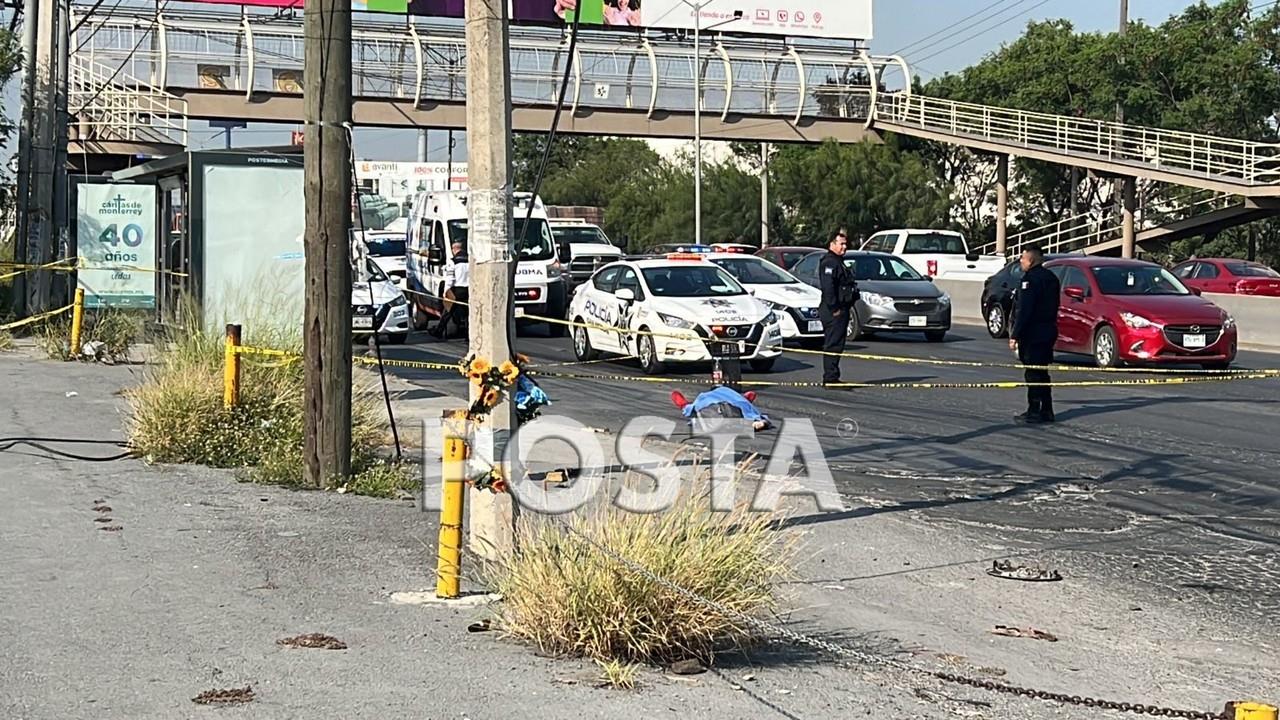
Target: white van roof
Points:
(453, 203)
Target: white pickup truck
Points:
(941, 254)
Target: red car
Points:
(784, 257)
(1225, 275)
(1122, 311)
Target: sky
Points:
(936, 36)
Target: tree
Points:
(863, 187)
(10, 63)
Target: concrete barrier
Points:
(1257, 318)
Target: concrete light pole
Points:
(697, 108)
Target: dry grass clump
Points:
(565, 596)
(118, 331)
(6, 341)
(176, 415)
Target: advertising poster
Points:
(116, 243)
(835, 19)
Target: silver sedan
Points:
(893, 296)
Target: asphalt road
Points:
(1175, 482)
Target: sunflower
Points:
(509, 371)
(479, 367)
(490, 397)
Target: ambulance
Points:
(440, 218)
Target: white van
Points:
(439, 218)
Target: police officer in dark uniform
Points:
(1035, 330)
(839, 292)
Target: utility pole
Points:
(764, 194)
(40, 173)
(61, 181)
(26, 136)
(1123, 187)
(328, 199)
(489, 170)
(422, 145)
(1124, 30)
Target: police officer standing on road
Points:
(456, 284)
(839, 292)
(1035, 330)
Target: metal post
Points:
(491, 232)
(449, 545)
(1002, 204)
(422, 145)
(40, 228)
(231, 368)
(77, 323)
(697, 124)
(764, 194)
(1128, 192)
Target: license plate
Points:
(1193, 341)
(728, 349)
(519, 312)
(815, 326)
(362, 321)
(917, 321)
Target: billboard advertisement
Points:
(116, 244)
(396, 181)
(847, 19)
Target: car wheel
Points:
(855, 325)
(935, 336)
(997, 323)
(647, 353)
(418, 317)
(1106, 353)
(582, 344)
(763, 365)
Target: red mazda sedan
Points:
(1123, 311)
(1225, 275)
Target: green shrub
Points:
(565, 596)
(176, 415)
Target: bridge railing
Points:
(1240, 161)
(427, 63)
(110, 104)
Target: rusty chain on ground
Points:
(868, 658)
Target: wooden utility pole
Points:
(327, 313)
(39, 208)
(764, 194)
(491, 249)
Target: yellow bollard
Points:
(77, 322)
(231, 368)
(449, 547)
(1254, 711)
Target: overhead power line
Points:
(951, 28)
(983, 31)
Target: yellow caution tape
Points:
(36, 318)
(997, 385)
(56, 265)
(72, 264)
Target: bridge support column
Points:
(1128, 192)
(1002, 204)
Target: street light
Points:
(697, 108)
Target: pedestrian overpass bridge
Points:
(137, 78)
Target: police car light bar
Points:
(684, 256)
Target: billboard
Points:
(847, 19)
(396, 181)
(116, 244)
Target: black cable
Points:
(377, 342)
(97, 4)
(9, 443)
(954, 28)
(542, 169)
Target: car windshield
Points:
(691, 281)
(1251, 270)
(936, 243)
(581, 234)
(537, 244)
(881, 267)
(386, 246)
(1137, 280)
(754, 271)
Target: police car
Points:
(679, 308)
(795, 302)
